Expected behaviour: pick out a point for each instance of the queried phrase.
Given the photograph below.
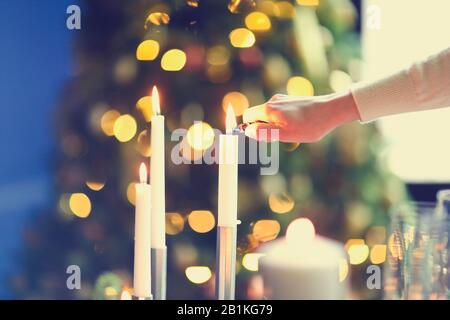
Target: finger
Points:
(263, 132)
(254, 114)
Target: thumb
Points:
(263, 131)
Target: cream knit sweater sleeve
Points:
(425, 85)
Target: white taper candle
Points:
(142, 237)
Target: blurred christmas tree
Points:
(201, 54)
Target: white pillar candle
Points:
(157, 175)
(228, 173)
(142, 237)
(303, 266)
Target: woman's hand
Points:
(299, 119)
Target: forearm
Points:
(425, 85)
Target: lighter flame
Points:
(143, 173)
(155, 101)
(230, 119)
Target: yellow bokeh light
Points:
(219, 73)
(343, 269)
(174, 223)
(239, 6)
(281, 203)
(147, 50)
(110, 292)
(238, 101)
(266, 230)
(157, 19)
(251, 261)
(378, 254)
(200, 136)
(340, 80)
(131, 193)
(308, 2)
(80, 205)
(95, 185)
(358, 253)
(299, 86)
(284, 10)
(125, 128)
(351, 242)
(173, 60)
(258, 21)
(144, 105)
(268, 7)
(198, 274)
(143, 144)
(242, 38)
(107, 121)
(218, 55)
(201, 221)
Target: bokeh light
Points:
(308, 2)
(218, 55)
(281, 202)
(240, 6)
(258, 21)
(340, 81)
(125, 128)
(299, 86)
(266, 230)
(156, 19)
(201, 221)
(174, 223)
(80, 205)
(107, 121)
(351, 242)
(343, 269)
(144, 105)
(219, 73)
(131, 193)
(242, 38)
(173, 60)
(110, 292)
(95, 185)
(378, 254)
(284, 10)
(147, 50)
(198, 274)
(358, 253)
(250, 261)
(192, 3)
(238, 101)
(200, 136)
(143, 143)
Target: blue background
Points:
(35, 61)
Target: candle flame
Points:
(155, 101)
(300, 232)
(143, 173)
(230, 119)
